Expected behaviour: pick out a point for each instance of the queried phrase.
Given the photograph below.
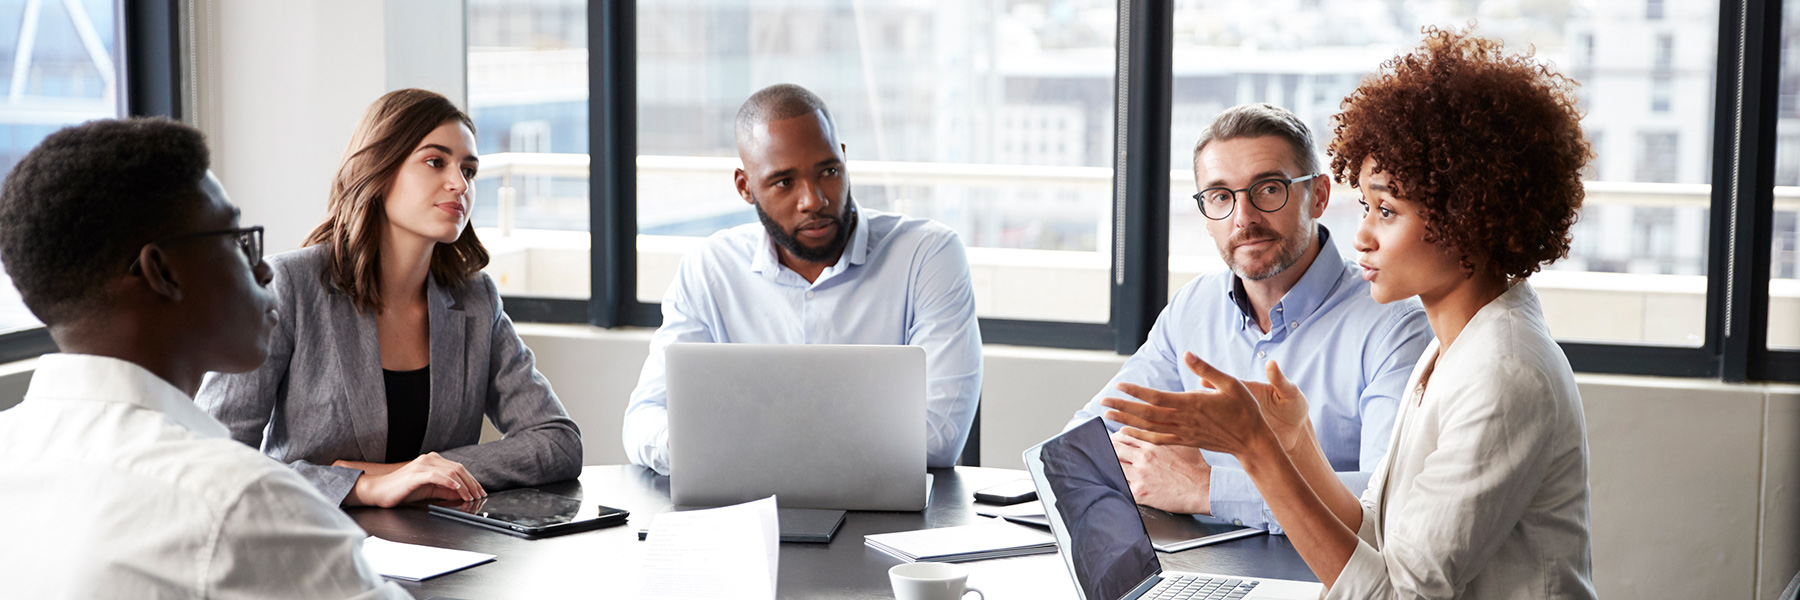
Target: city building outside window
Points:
(528, 95)
(1637, 271)
(994, 118)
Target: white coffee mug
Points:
(931, 581)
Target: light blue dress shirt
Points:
(1350, 355)
(901, 280)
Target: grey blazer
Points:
(320, 396)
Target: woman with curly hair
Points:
(1468, 160)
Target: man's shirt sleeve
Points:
(1154, 365)
(281, 539)
(1392, 358)
(685, 319)
(943, 323)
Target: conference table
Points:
(604, 563)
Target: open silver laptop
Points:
(816, 426)
(1102, 537)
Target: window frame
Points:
(1741, 217)
(150, 84)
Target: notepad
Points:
(413, 562)
(982, 541)
(1027, 509)
(718, 553)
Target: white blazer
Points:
(1483, 493)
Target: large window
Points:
(58, 63)
(1637, 272)
(1038, 130)
(994, 118)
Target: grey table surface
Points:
(604, 563)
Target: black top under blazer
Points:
(320, 398)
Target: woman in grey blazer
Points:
(392, 344)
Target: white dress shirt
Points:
(116, 486)
(1484, 493)
(901, 280)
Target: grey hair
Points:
(1258, 119)
(778, 102)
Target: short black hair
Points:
(778, 102)
(76, 209)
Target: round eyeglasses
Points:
(1267, 195)
(249, 241)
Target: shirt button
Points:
(809, 295)
(1237, 522)
(1277, 309)
(1261, 354)
(1292, 325)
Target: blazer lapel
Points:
(449, 355)
(360, 360)
(1408, 400)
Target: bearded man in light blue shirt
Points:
(1289, 297)
(818, 269)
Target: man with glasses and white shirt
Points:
(1289, 297)
(115, 484)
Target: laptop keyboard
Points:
(1188, 587)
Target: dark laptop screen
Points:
(1091, 504)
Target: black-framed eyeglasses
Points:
(1267, 195)
(249, 241)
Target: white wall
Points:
(278, 88)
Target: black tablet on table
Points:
(530, 513)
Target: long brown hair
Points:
(388, 133)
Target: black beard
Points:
(821, 254)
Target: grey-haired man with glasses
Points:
(1289, 298)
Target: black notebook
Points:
(809, 525)
(1169, 532)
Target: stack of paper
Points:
(982, 541)
(720, 553)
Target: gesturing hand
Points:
(429, 476)
(1284, 408)
(1227, 419)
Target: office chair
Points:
(971, 454)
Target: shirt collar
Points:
(90, 378)
(768, 264)
(859, 239)
(1495, 313)
(1309, 293)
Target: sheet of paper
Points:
(729, 552)
(417, 563)
(1016, 510)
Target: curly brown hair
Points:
(1487, 145)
